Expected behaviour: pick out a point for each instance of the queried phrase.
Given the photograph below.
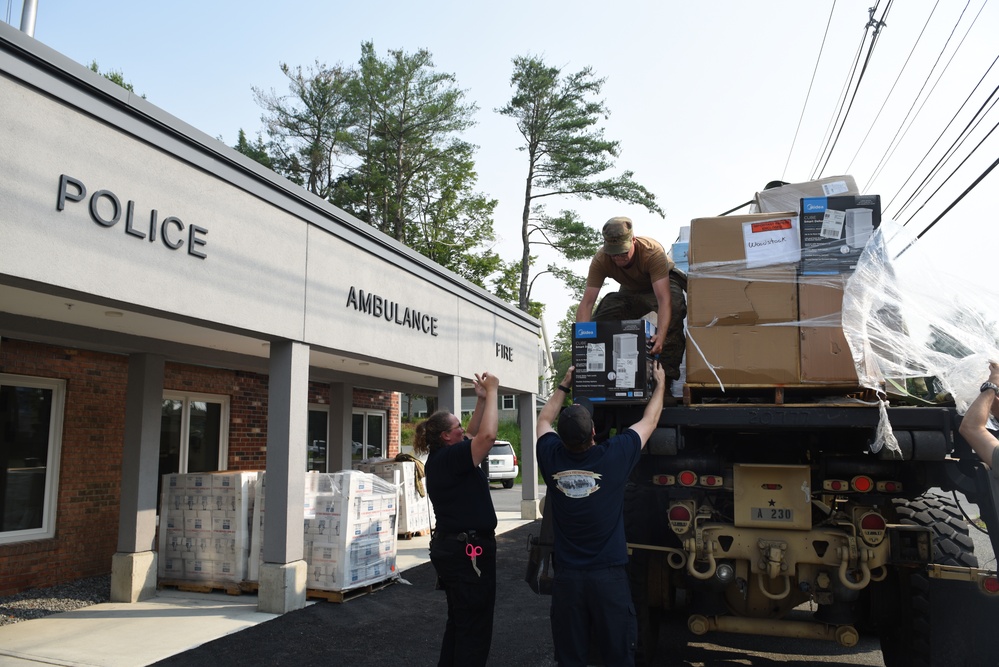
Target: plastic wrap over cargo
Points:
(913, 327)
(861, 306)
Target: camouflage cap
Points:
(617, 235)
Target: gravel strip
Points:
(39, 602)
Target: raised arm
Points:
(653, 409)
(488, 422)
(549, 413)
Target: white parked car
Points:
(502, 464)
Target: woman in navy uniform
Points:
(463, 545)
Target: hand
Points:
(659, 374)
(485, 382)
(656, 341)
(567, 380)
(994, 372)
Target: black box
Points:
(834, 231)
(612, 361)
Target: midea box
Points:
(834, 231)
(612, 361)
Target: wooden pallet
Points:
(228, 587)
(415, 533)
(784, 395)
(344, 596)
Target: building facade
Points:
(166, 302)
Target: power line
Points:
(952, 149)
(827, 136)
(809, 93)
(896, 140)
(949, 123)
(844, 111)
(897, 79)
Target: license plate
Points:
(494, 462)
(772, 514)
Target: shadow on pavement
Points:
(399, 624)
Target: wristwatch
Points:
(990, 385)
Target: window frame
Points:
(185, 428)
(385, 429)
(50, 505)
(503, 402)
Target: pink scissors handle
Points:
(473, 551)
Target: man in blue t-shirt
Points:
(585, 495)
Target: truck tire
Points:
(905, 638)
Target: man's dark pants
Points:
(597, 603)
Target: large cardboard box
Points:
(612, 361)
(733, 242)
(743, 355)
(743, 297)
(825, 355)
(788, 197)
(834, 231)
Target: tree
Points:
(114, 76)
(411, 116)
(310, 128)
(557, 115)
(257, 151)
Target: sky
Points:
(708, 100)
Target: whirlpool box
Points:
(612, 361)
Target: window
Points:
(31, 414)
(507, 402)
(318, 435)
(367, 434)
(194, 433)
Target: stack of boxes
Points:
(204, 530)
(349, 522)
(765, 290)
(415, 511)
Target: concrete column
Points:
(527, 417)
(449, 394)
(340, 426)
(283, 572)
(133, 567)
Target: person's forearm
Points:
(973, 426)
(584, 312)
(549, 413)
(655, 405)
(476, 418)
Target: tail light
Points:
(680, 516)
(889, 486)
(711, 480)
(687, 478)
(515, 459)
(991, 585)
(872, 528)
(862, 483)
(664, 480)
(837, 485)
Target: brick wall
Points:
(93, 431)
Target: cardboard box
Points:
(735, 242)
(825, 354)
(788, 197)
(745, 297)
(612, 361)
(834, 231)
(742, 355)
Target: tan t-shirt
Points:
(649, 264)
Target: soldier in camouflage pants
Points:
(625, 305)
(649, 283)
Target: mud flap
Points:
(964, 625)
